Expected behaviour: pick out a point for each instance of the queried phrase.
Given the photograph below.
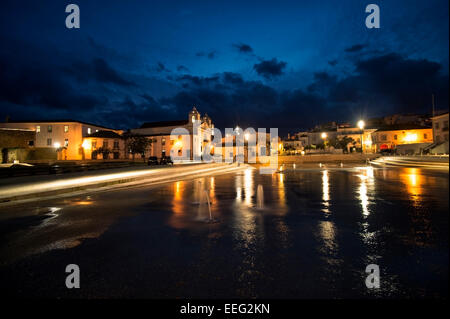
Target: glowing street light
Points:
(247, 136)
(361, 124)
(56, 145)
(324, 135)
(86, 144)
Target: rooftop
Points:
(164, 123)
(105, 134)
(59, 121)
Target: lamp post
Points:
(361, 125)
(324, 137)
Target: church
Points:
(195, 134)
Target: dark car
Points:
(152, 160)
(166, 160)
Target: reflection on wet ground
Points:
(305, 234)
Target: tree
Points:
(341, 143)
(137, 145)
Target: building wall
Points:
(401, 137)
(440, 128)
(68, 134)
(115, 145)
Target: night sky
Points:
(285, 64)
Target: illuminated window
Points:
(94, 144)
(66, 128)
(66, 142)
(89, 131)
(163, 141)
(38, 129)
(395, 137)
(49, 142)
(105, 144)
(49, 129)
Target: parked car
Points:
(152, 160)
(166, 160)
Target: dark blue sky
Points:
(286, 64)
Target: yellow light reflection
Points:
(325, 191)
(413, 181)
(328, 235)
(178, 202)
(248, 186)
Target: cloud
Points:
(333, 62)
(210, 55)
(270, 68)
(243, 48)
(182, 68)
(355, 48)
(392, 83)
(160, 67)
(96, 70)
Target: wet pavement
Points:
(317, 231)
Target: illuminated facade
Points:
(440, 133)
(66, 136)
(104, 145)
(390, 138)
(195, 134)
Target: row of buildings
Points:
(76, 140)
(402, 134)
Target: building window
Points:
(445, 125)
(94, 145)
(66, 128)
(38, 129)
(30, 143)
(49, 142)
(105, 144)
(193, 118)
(446, 137)
(163, 141)
(436, 125)
(395, 137)
(116, 144)
(49, 129)
(89, 131)
(66, 142)
(425, 136)
(384, 137)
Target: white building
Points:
(195, 133)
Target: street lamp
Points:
(324, 137)
(361, 125)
